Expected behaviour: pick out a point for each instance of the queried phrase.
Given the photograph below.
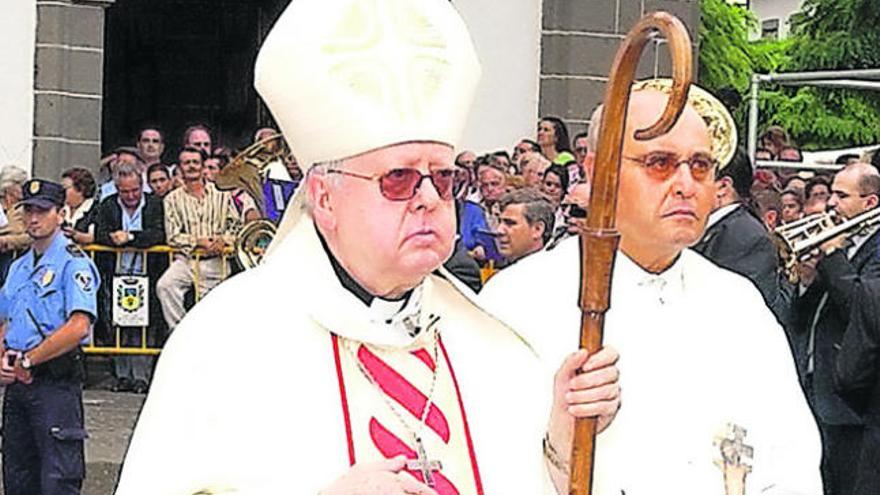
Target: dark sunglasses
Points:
(572, 210)
(401, 184)
(663, 165)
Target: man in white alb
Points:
(701, 355)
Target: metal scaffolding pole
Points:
(868, 79)
(753, 118)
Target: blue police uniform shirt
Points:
(62, 281)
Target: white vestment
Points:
(258, 389)
(698, 350)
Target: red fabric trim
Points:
(425, 358)
(344, 398)
(391, 446)
(467, 430)
(403, 392)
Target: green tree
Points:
(727, 57)
(825, 35)
(830, 35)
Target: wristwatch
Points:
(26, 363)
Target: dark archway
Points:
(179, 62)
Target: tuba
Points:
(797, 241)
(247, 171)
(252, 242)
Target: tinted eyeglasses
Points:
(401, 184)
(572, 210)
(662, 166)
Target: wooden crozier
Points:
(599, 239)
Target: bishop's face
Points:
(389, 246)
(659, 215)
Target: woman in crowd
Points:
(79, 205)
(774, 140)
(555, 187)
(14, 238)
(554, 141)
(555, 184)
(818, 189)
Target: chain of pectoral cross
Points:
(421, 463)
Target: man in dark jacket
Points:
(821, 314)
(856, 378)
(131, 219)
(737, 240)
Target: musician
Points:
(322, 383)
(737, 240)
(856, 378)
(699, 348)
(822, 311)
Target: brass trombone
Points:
(797, 241)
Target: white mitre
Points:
(344, 77)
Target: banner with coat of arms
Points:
(130, 301)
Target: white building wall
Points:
(775, 9)
(508, 42)
(18, 24)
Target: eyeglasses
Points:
(572, 210)
(662, 165)
(401, 184)
(582, 149)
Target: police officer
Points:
(48, 304)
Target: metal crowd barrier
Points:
(144, 350)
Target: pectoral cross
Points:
(735, 455)
(422, 464)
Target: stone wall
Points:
(579, 40)
(68, 85)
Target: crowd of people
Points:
(138, 202)
(510, 205)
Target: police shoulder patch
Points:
(84, 280)
(75, 250)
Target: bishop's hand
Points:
(585, 386)
(378, 478)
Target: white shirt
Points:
(719, 214)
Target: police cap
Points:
(42, 194)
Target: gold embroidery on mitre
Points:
(369, 46)
(722, 128)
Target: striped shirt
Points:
(188, 218)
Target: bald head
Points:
(649, 103)
(868, 177)
(855, 189)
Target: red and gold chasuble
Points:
(387, 391)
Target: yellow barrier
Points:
(143, 349)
